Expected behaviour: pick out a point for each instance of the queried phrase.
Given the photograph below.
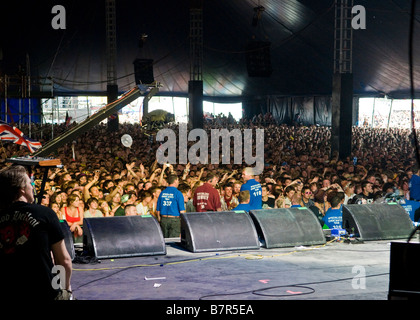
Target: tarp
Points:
(20, 111)
(301, 33)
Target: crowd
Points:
(397, 119)
(100, 177)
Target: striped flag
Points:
(13, 134)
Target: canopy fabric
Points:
(301, 34)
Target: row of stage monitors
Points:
(129, 236)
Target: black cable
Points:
(304, 285)
(311, 290)
(144, 266)
(299, 285)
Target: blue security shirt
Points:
(411, 207)
(415, 187)
(242, 207)
(255, 192)
(333, 218)
(170, 202)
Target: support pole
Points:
(390, 112)
(195, 85)
(342, 109)
(111, 56)
(342, 93)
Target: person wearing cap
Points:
(254, 188)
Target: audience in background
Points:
(104, 178)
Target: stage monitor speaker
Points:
(126, 236)
(288, 227)
(258, 60)
(377, 221)
(68, 238)
(143, 71)
(214, 231)
(404, 282)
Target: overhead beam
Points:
(93, 120)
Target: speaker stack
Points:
(126, 236)
(380, 221)
(143, 71)
(288, 227)
(214, 231)
(258, 59)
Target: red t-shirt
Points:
(206, 198)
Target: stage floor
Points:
(334, 271)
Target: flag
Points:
(13, 134)
(68, 119)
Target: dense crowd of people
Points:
(100, 177)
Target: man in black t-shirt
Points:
(29, 233)
(267, 202)
(367, 192)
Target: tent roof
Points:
(301, 33)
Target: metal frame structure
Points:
(343, 37)
(111, 41)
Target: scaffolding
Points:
(111, 41)
(343, 37)
(196, 44)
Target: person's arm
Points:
(80, 222)
(62, 258)
(130, 173)
(225, 177)
(201, 173)
(186, 171)
(160, 182)
(86, 194)
(118, 188)
(364, 170)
